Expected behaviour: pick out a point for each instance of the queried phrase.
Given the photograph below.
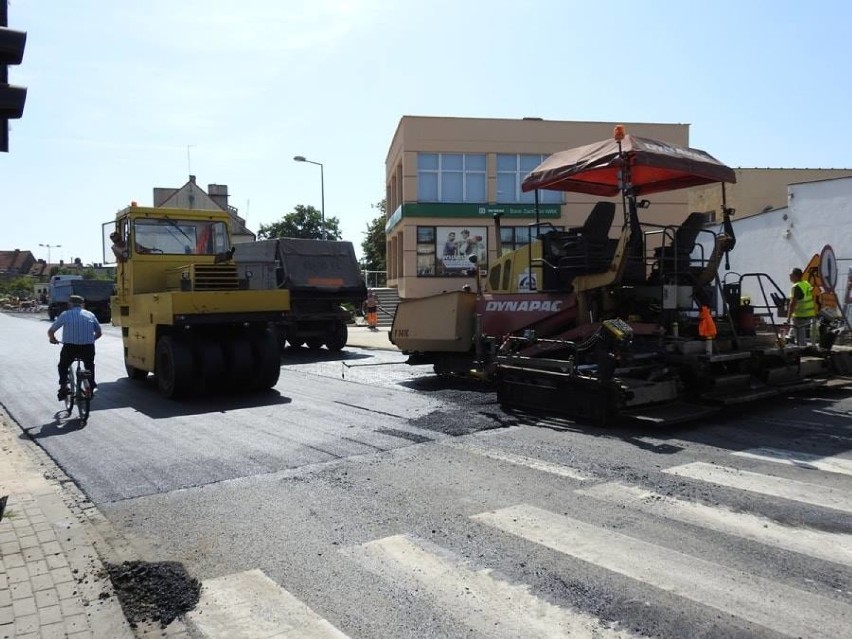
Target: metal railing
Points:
(375, 279)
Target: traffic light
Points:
(12, 98)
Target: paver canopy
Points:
(655, 166)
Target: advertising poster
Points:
(455, 245)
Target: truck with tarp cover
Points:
(97, 294)
(322, 278)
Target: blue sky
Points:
(126, 96)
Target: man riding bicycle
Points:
(80, 329)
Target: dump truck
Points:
(185, 314)
(599, 323)
(321, 277)
(97, 294)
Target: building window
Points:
(511, 171)
(451, 177)
(514, 237)
(445, 251)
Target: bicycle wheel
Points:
(84, 397)
(70, 385)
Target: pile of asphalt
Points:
(471, 406)
(153, 592)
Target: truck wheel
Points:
(135, 373)
(281, 335)
(173, 367)
(337, 337)
(267, 360)
(239, 365)
(211, 366)
(50, 314)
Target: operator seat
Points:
(674, 260)
(583, 249)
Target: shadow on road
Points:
(304, 355)
(430, 383)
(143, 396)
(824, 421)
(62, 424)
(779, 422)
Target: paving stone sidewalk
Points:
(52, 582)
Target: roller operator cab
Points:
(185, 313)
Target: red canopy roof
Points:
(655, 166)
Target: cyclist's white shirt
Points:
(78, 325)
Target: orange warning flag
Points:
(706, 325)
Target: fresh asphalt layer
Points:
(363, 498)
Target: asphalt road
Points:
(362, 498)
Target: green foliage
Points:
(374, 246)
(304, 222)
(17, 287)
(91, 273)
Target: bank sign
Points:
(453, 210)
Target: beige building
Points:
(756, 190)
(192, 196)
(446, 178)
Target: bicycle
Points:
(79, 387)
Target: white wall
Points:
(774, 242)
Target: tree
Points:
(18, 287)
(60, 270)
(303, 222)
(91, 273)
(374, 246)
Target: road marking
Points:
(249, 605)
(519, 460)
(488, 606)
(801, 491)
(827, 463)
(786, 610)
(834, 547)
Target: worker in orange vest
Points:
(370, 309)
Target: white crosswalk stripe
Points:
(489, 606)
(785, 610)
(249, 605)
(834, 547)
(792, 489)
(830, 464)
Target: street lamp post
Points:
(302, 158)
(48, 247)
